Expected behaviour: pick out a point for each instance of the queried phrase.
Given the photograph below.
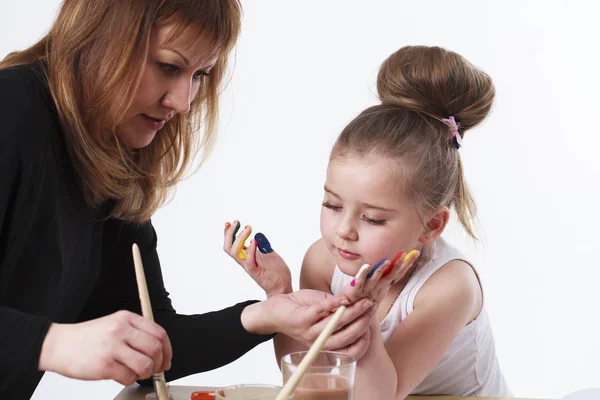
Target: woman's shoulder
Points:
(26, 108)
(23, 80)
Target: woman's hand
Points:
(123, 346)
(264, 265)
(303, 315)
(374, 281)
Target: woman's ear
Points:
(435, 226)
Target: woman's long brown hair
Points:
(94, 55)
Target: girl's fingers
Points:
(236, 227)
(264, 246)
(374, 276)
(378, 269)
(392, 264)
(251, 265)
(229, 235)
(359, 281)
(408, 262)
(237, 249)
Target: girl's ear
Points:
(435, 226)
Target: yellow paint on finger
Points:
(240, 251)
(409, 255)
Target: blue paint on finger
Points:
(376, 267)
(263, 243)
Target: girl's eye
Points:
(326, 204)
(374, 221)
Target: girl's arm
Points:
(448, 301)
(316, 267)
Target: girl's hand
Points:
(375, 281)
(303, 315)
(264, 265)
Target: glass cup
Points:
(330, 376)
(248, 392)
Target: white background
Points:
(303, 70)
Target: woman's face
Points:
(171, 78)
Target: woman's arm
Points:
(25, 120)
(200, 342)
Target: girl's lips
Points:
(347, 255)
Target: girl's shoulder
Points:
(456, 281)
(318, 266)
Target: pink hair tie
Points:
(454, 135)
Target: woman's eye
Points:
(331, 206)
(169, 69)
(200, 74)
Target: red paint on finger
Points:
(391, 266)
(253, 244)
(353, 282)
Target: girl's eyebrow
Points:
(366, 205)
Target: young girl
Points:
(394, 174)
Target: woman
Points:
(100, 121)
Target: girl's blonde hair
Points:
(419, 87)
(94, 56)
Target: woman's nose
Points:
(178, 97)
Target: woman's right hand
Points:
(302, 315)
(123, 346)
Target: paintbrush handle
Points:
(160, 385)
(310, 356)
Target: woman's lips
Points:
(154, 123)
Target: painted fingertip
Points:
(264, 246)
(390, 267)
(353, 283)
(235, 231)
(242, 246)
(376, 267)
(360, 271)
(409, 255)
(397, 258)
(227, 225)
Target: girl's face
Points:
(170, 81)
(366, 214)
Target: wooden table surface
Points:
(183, 393)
